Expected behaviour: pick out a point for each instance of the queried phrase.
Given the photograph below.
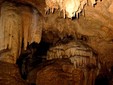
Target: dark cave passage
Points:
(33, 56)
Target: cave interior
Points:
(56, 42)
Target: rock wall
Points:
(9, 74)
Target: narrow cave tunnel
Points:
(56, 42)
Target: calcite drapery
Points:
(18, 22)
(11, 28)
(32, 29)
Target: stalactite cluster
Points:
(81, 55)
(70, 8)
(18, 23)
(32, 30)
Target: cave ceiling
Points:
(97, 20)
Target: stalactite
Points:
(32, 25)
(9, 17)
(71, 49)
(7, 25)
(51, 5)
(1, 34)
(36, 31)
(26, 20)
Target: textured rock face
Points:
(80, 54)
(9, 74)
(61, 72)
